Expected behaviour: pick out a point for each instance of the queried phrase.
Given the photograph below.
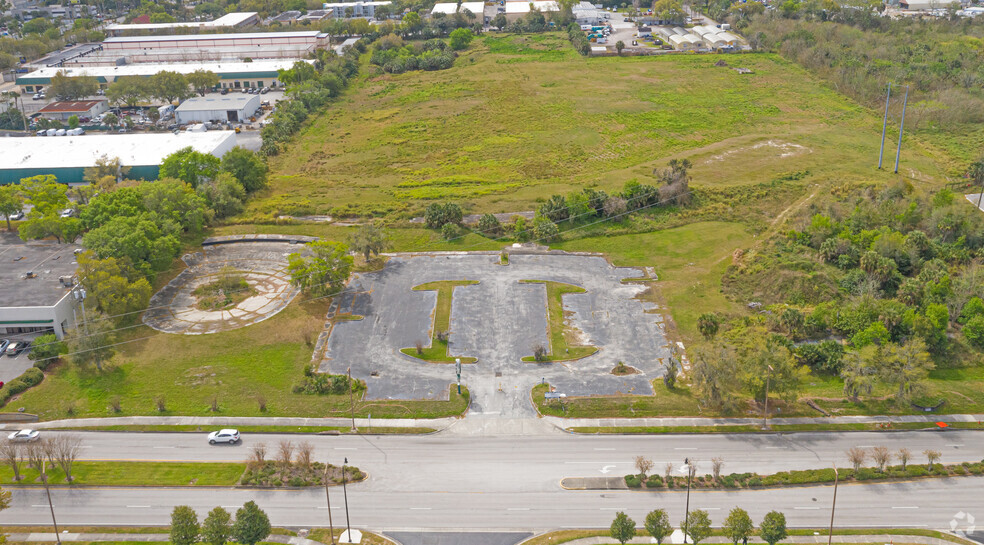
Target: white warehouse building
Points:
(234, 108)
(36, 288)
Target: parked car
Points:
(24, 436)
(3, 345)
(67, 213)
(37, 96)
(16, 216)
(15, 348)
(225, 91)
(223, 436)
(264, 90)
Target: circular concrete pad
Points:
(262, 264)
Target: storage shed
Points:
(684, 43)
(234, 108)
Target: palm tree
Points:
(976, 173)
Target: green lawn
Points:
(238, 367)
(343, 430)
(563, 342)
(437, 352)
(134, 474)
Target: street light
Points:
(690, 469)
(457, 369)
(331, 526)
(833, 504)
(44, 479)
(765, 413)
(348, 525)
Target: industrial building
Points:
(520, 8)
(586, 13)
(479, 9)
(36, 282)
(121, 50)
(231, 74)
(61, 111)
(351, 10)
(67, 157)
(232, 108)
(229, 20)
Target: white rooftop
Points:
(234, 101)
(149, 69)
(194, 37)
(451, 8)
(520, 6)
(229, 19)
(352, 4)
(36, 152)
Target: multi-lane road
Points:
(512, 482)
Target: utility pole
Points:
(690, 469)
(348, 525)
(352, 404)
(457, 369)
(44, 479)
(765, 412)
(331, 527)
(830, 533)
(898, 150)
(881, 152)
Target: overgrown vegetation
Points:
(228, 289)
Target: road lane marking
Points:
(518, 509)
(39, 506)
(955, 445)
(612, 509)
(164, 447)
(604, 449)
(420, 508)
(906, 507)
(138, 507)
(685, 448)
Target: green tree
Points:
(489, 225)
(859, 370)
(224, 195)
(114, 286)
(174, 206)
(49, 198)
(460, 38)
(437, 214)
(619, 46)
(767, 359)
(169, 86)
(247, 166)
(973, 330)
(252, 524)
(520, 230)
(555, 209)
(773, 528)
(906, 367)
(128, 90)
(72, 88)
(708, 324)
(544, 230)
(579, 206)
(137, 238)
(111, 120)
(623, 528)
(411, 22)
(368, 240)
(184, 525)
(73, 122)
(713, 371)
(203, 80)
(45, 193)
(91, 342)
(658, 525)
(500, 21)
(10, 202)
(217, 527)
(46, 347)
(738, 526)
(190, 166)
(697, 526)
(324, 272)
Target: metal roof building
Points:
(66, 109)
(36, 282)
(204, 47)
(265, 71)
(66, 157)
(233, 108)
(229, 20)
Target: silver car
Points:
(24, 436)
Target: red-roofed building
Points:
(61, 111)
(141, 20)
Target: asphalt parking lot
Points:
(497, 321)
(13, 367)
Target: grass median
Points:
(565, 536)
(133, 474)
(312, 430)
(437, 352)
(563, 337)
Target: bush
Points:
(654, 481)
(32, 376)
(449, 231)
(914, 470)
(489, 225)
(15, 387)
(46, 349)
(633, 481)
(437, 215)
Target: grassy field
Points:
(437, 352)
(773, 427)
(135, 474)
(521, 117)
(564, 536)
(238, 368)
(563, 344)
(313, 430)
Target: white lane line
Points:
(773, 447)
(604, 449)
(138, 507)
(164, 447)
(321, 507)
(420, 508)
(711, 508)
(866, 446)
(807, 508)
(39, 506)
(906, 507)
(518, 509)
(685, 448)
(955, 445)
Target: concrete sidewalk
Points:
(697, 421)
(149, 538)
(365, 425)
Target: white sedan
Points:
(223, 436)
(24, 436)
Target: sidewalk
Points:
(697, 421)
(150, 538)
(365, 425)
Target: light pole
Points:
(690, 469)
(44, 479)
(331, 527)
(833, 505)
(348, 525)
(457, 369)
(352, 405)
(765, 412)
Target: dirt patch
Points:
(783, 150)
(622, 370)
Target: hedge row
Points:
(31, 377)
(808, 476)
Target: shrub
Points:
(654, 481)
(449, 231)
(32, 376)
(489, 225)
(633, 481)
(437, 215)
(15, 387)
(755, 481)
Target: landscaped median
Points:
(87, 534)
(783, 478)
(773, 428)
(563, 342)
(259, 474)
(898, 536)
(437, 352)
